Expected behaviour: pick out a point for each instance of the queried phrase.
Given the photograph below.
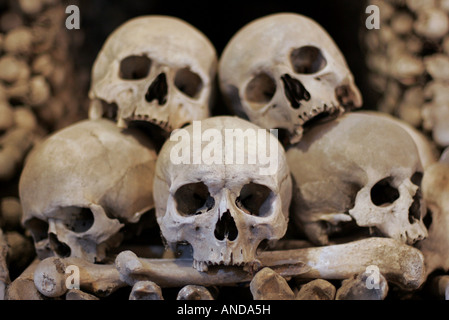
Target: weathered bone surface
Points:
(158, 69)
(318, 289)
(358, 287)
(224, 208)
(23, 288)
(99, 279)
(146, 290)
(193, 292)
(269, 285)
(359, 168)
(285, 71)
(75, 294)
(82, 185)
(428, 152)
(399, 263)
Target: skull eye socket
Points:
(193, 199)
(38, 229)
(383, 193)
(260, 90)
(255, 199)
(307, 60)
(134, 68)
(188, 82)
(77, 219)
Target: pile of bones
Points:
(323, 200)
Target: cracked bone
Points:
(399, 263)
(51, 275)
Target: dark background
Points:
(220, 20)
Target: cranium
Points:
(156, 69)
(284, 70)
(223, 208)
(360, 170)
(82, 185)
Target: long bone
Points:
(400, 264)
(100, 279)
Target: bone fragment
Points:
(193, 292)
(23, 288)
(361, 287)
(75, 294)
(101, 280)
(318, 289)
(399, 263)
(269, 285)
(146, 290)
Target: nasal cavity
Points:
(414, 212)
(158, 90)
(58, 247)
(294, 91)
(226, 228)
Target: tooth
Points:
(200, 265)
(121, 123)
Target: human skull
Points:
(156, 69)
(362, 169)
(284, 70)
(82, 185)
(223, 208)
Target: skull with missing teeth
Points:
(362, 169)
(82, 185)
(284, 70)
(230, 193)
(156, 69)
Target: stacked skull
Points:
(214, 187)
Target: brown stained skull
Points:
(154, 69)
(223, 209)
(359, 168)
(284, 71)
(82, 185)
